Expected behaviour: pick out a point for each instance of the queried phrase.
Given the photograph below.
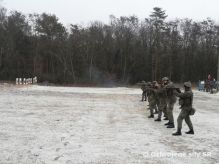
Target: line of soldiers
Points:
(162, 98)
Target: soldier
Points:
(185, 100)
(156, 86)
(144, 91)
(170, 101)
(161, 95)
(150, 90)
(151, 99)
(165, 82)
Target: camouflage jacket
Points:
(152, 94)
(170, 93)
(143, 88)
(185, 99)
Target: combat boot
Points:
(151, 116)
(178, 133)
(191, 131)
(158, 119)
(167, 123)
(171, 125)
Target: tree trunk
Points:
(91, 66)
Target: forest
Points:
(124, 51)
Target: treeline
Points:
(126, 50)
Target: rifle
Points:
(175, 88)
(172, 87)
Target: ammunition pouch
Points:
(192, 111)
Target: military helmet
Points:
(188, 84)
(165, 79)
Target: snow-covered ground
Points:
(66, 125)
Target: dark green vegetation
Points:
(126, 50)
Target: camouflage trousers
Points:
(165, 111)
(184, 114)
(170, 112)
(152, 105)
(144, 96)
(162, 107)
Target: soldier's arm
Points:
(183, 95)
(176, 91)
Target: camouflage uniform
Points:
(155, 87)
(161, 94)
(170, 101)
(165, 81)
(152, 100)
(186, 100)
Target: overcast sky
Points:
(84, 11)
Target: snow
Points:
(46, 125)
